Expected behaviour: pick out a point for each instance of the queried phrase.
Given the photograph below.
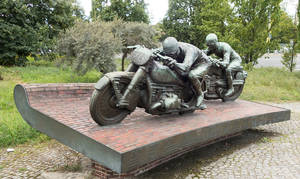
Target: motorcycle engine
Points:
(170, 101)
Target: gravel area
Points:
(271, 151)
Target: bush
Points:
(90, 45)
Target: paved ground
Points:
(274, 60)
(29, 161)
(271, 151)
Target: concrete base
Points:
(141, 141)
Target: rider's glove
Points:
(170, 62)
(223, 64)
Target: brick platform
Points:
(141, 141)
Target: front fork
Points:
(124, 101)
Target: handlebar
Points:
(135, 46)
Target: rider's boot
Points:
(197, 87)
(230, 84)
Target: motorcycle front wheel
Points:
(103, 107)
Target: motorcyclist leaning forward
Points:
(186, 60)
(230, 59)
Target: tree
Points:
(29, 26)
(245, 24)
(298, 26)
(191, 20)
(285, 30)
(292, 39)
(288, 58)
(127, 10)
(255, 21)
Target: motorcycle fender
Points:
(110, 77)
(102, 82)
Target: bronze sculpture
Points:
(230, 59)
(163, 85)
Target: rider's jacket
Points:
(189, 57)
(225, 52)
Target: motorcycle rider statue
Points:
(230, 59)
(187, 60)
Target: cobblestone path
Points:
(270, 151)
(30, 161)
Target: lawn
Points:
(13, 129)
(273, 85)
(264, 84)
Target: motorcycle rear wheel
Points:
(237, 92)
(103, 107)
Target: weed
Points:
(71, 167)
(22, 169)
(266, 140)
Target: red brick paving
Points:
(69, 104)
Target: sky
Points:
(158, 8)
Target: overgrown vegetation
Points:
(13, 129)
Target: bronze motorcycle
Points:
(156, 88)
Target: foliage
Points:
(127, 10)
(29, 27)
(292, 39)
(285, 30)
(89, 45)
(298, 26)
(133, 33)
(289, 57)
(244, 24)
(13, 129)
(256, 19)
(191, 20)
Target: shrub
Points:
(133, 33)
(90, 45)
(93, 44)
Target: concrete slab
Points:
(141, 141)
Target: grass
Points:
(273, 85)
(264, 84)
(13, 129)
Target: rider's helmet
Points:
(170, 46)
(211, 40)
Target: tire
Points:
(103, 109)
(237, 92)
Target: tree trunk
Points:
(123, 60)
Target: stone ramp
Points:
(141, 141)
